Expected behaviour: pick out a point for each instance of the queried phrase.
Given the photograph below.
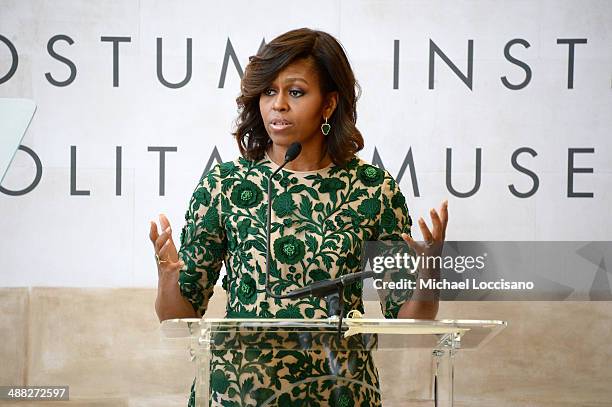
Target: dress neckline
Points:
(275, 166)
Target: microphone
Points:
(326, 287)
(330, 289)
(320, 288)
(292, 152)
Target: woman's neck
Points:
(310, 159)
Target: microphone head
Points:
(293, 151)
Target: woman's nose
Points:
(280, 103)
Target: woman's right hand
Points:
(168, 263)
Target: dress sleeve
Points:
(203, 243)
(394, 220)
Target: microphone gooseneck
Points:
(330, 289)
(292, 152)
(320, 288)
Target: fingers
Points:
(164, 222)
(163, 250)
(435, 239)
(168, 259)
(408, 239)
(153, 235)
(439, 221)
(160, 239)
(444, 213)
(427, 236)
(164, 238)
(437, 224)
(414, 245)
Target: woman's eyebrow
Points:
(296, 80)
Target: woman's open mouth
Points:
(280, 124)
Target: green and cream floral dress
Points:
(320, 221)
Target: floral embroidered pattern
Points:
(320, 221)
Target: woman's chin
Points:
(283, 139)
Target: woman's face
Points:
(293, 106)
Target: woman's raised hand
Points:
(433, 240)
(165, 250)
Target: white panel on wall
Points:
(53, 238)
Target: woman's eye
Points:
(292, 92)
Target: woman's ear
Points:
(331, 101)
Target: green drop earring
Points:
(325, 128)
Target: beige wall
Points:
(106, 345)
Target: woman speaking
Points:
(326, 203)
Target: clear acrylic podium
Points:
(443, 337)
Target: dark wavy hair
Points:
(335, 74)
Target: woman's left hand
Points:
(433, 240)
